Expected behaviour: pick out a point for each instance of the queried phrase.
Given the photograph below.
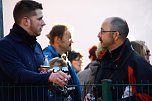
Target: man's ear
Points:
(116, 35)
(57, 39)
(25, 21)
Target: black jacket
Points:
(124, 66)
(20, 58)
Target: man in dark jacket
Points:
(21, 56)
(120, 63)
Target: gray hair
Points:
(120, 25)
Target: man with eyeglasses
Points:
(121, 64)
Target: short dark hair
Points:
(57, 30)
(72, 55)
(120, 25)
(25, 8)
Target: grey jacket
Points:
(87, 76)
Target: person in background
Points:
(147, 55)
(58, 64)
(76, 60)
(147, 51)
(139, 48)
(92, 55)
(87, 75)
(120, 63)
(60, 43)
(21, 56)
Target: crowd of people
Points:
(115, 58)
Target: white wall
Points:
(86, 16)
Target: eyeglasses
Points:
(101, 31)
(148, 52)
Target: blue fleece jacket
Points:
(52, 53)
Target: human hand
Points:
(60, 78)
(88, 97)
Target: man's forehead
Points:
(105, 24)
(67, 33)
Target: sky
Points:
(84, 18)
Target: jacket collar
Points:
(53, 51)
(116, 54)
(19, 34)
(121, 50)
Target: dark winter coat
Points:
(123, 65)
(20, 58)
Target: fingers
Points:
(87, 97)
(63, 76)
(59, 78)
(60, 82)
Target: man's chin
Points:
(38, 34)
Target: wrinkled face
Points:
(36, 23)
(106, 35)
(77, 64)
(66, 41)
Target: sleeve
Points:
(140, 73)
(14, 70)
